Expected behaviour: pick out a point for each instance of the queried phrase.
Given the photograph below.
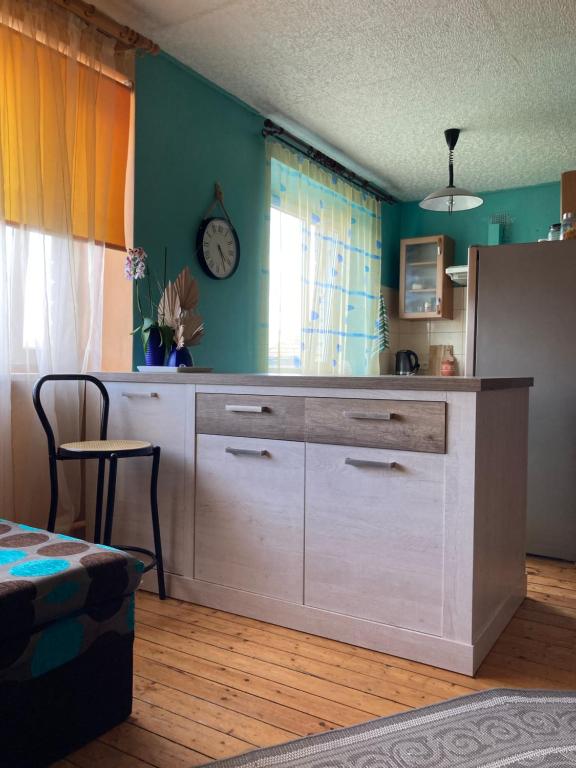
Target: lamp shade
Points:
(451, 199)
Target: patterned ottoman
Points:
(66, 636)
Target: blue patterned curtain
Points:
(323, 272)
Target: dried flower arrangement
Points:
(177, 310)
(174, 317)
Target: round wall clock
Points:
(218, 248)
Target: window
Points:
(64, 152)
(285, 298)
(324, 271)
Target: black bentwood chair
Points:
(105, 451)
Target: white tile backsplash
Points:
(456, 340)
(418, 335)
(450, 326)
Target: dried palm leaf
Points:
(169, 308)
(187, 289)
(190, 331)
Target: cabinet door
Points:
(164, 415)
(374, 535)
(425, 289)
(250, 515)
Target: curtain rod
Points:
(126, 37)
(277, 132)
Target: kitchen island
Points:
(387, 512)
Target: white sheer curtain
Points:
(53, 317)
(54, 187)
(323, 270)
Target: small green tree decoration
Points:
(383, 327)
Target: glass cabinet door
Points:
(424, 284)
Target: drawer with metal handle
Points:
(267, 416)
(141, 395)
(370, 464)
(405, 425)
(247, 452)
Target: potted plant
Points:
(156, 337)
(177, 310)
(170, 326)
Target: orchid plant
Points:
(174, 316)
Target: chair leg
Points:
(110, 501)
(99, 501)
(156, 523)
(53, 494)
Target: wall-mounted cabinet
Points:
(425, 289)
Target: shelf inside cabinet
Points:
(420, 290)
(422, 263)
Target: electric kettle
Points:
(406, 362)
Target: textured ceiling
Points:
(379, 80)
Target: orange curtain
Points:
(64, 142)
(56, 181)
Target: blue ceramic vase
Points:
(178, 357)
(154, 352)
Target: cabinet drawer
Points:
(267, 416)
(374, 535)
(398, 424)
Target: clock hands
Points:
(222, 256)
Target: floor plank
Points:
(187, 731)
(157, 750)
(98, 754)
(369, 682)
(219, 718)
(233, 699)
(62, 764)
(561, 637)
(333, 657)
(210, 684)
(284, 694)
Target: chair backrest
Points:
(36, 399)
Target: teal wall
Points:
(531, 210)
(190, 134)
(391, 221)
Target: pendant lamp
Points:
(451, 198)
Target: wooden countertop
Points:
(412, 383)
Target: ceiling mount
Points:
(452, 135)
(451, 198)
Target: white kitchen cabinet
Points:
(163, 415)
(374, 534)
(250, 515)
(270, 510)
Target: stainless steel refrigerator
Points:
(522, 322)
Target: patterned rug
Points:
(492, 729)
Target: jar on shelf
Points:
(568, 230)
(554, 232)
(448, 365)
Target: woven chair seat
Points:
(108, 446)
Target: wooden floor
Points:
(210, 684)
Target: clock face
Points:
(218, 248)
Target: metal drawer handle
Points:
(368, 463)
(246, 452)
(140, 394)
(245, 408)
(367, 415)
